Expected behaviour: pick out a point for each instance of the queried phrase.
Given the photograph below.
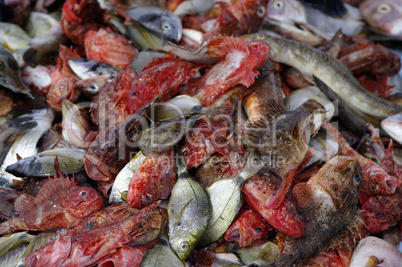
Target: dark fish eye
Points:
(381, 215)
(384, 8)
(148, 197)
(258, 230)
(277, 4)
(357, 177)
(93, 87)
(184, 246)
(166, 26)
(111, 78)
(133, 94)
(185, 152)
(374, 187)
(261, 11)
(83, 193)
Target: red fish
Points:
(88, 247)
(154, 180)
(63, 80)
(248, 229)
(240, 59)
(126, 256)
(109, 47)
(286, 217)
(243, 17)
(59, 203)
(161, 75)
(376, 180)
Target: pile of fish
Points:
(200, 133)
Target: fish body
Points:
(329, 70)
(42, 164)
(286, 217)
(163, 22)
(154, 180)
(125, 256)
(393, 126)
(239, 64)
(25, 145)
(329, 202)
(286, 11)
(249, 228)
(91, 86)
(10, 75)
(39, 23)
(385, 16)
(122, 181)
(143, 58)
(193, 7)
(88, 247)
(87, 68)
(188, 212)
(59, 203)
(75, 123)
(13, 37)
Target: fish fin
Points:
(222, 45)
(388, 163)
(276, 198)
(18, 157)
(52, 186)
(248, 78)
(303, 193)
(25, 203)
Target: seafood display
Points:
(200, 133)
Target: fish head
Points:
(382, 212)
(383, 15)
(249, 13)
(80, 202)
(194, 150)
(183, 243)
(286, 10)
(342, 179)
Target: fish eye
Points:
(381, 215)
(133, 94)
(185, 152)
(166, 26)
(258, 230)
(384, 8)
(148, 197)
(278, 4)
(357, 177)
(184, 245)
(93, 87)
(111, 78)
(261, 11)
(83, 193)
(374, 187)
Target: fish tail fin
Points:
(222, 45)
(276, 198)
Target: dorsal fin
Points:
(221, 45)
(24, 203)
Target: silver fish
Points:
(226, 200)
(393, 126)
(75, 123)
(188, 212)
(123, 178)
(261, 255)
(193, 7)
(330, 71)
(87, 68)
(143, 58)
(161, 21)
(10, 74)
(13, 37)
(25, 145)
(42, 164)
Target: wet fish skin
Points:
(329, 201)
(87, 68)
(161, 21)
(393, 126)
(188, 212)
(9, 73)
(331, 71)
(9, 242)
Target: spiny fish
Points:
(87, 68)
(188, 212)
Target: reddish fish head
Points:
(248, 229)
(249, 14)
(382, 212)
(80, 202)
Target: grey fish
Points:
(330, 71)
(188, 212)
(13, 37)
(226, 200)
(87, 68)
(42, 164)
(161, 254)
(329, 201)
(193, 7)
(143, 58)
(393, 126)
(38, 23)
(10, 74)
(161, 21)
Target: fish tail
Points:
(222, 45)
(276, 198)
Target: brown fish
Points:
(329, 201)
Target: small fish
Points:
(162, 254)
(143, 58)
(91, 86)
(193, 7)
(328, 198)
(13, 37)
(286, 11)
(163, 22)
(59, 203)
(260, 255)
(240, 60)
(154, 180)
(42, 164)
(38, 23)
(188, 212)
(385, 16)
(226, 198)
(87, 68)
(372, 251)
(75, 123)
(249, 228)
(393, 126)
(10, 75)
(88, 247)
(329, 70)
(123, 178)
